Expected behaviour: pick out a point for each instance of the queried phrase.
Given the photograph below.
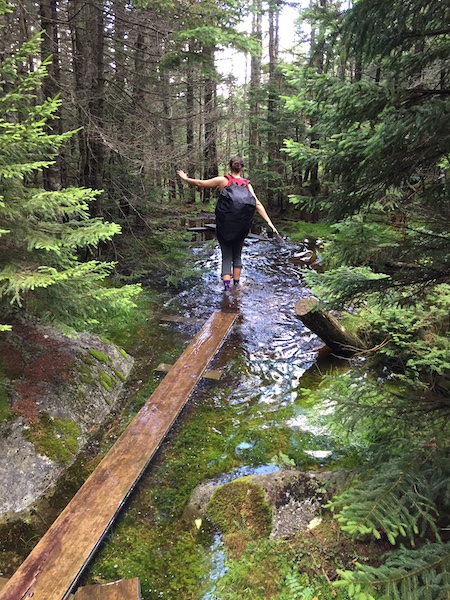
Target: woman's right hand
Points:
(182, 174)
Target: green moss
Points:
(100, 356)
(174, 566)
(5, 409)
(106, 380)
(85, 375)
(122, 352)
(240, 505)
(275, 569)
(301, 230)
(55, 438)
(119, 375)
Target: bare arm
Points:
(206, 183)
(262, 211)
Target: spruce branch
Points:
(420, 574)
(394, 501)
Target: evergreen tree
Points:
(45, 233)
(384, 155)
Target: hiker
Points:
(235, 208)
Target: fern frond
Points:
(395, 500)
(421, 574)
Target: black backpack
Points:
(235, 209)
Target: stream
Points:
(255, 419)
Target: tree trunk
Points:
(168, 134)
(190, 121)
(318, 53)
(273, 142)
(255, 85)
(331, 332)
(51, 84)
(88, 50)
(210, 107)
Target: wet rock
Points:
(58, 392)
(295, 497)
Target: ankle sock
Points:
(235, 281)
(226, 285)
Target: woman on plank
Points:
(235, 209)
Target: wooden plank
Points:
(210, 374)
(252, 236)
(54, 565)
(124, 589)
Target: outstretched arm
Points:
(262, 211)
(207, 183)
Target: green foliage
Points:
(356, 241)
(297, 587)
(417, 337)
(422, 574)
(298, 231)
(43, 231)
(270, 569)
(381, 139)
(338, 286)
(395, 501)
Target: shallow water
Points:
(242, 424)
(273, 342)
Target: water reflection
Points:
(276, 346)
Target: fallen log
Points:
(342, 342)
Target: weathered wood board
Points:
(124, 589)
(252, 236)
(210, 374)
(54, 565)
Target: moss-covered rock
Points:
(56, 392)
(240, 505)
(55, 438)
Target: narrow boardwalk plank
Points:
(54, 565)
(252, 236)
(210, 374)
(125, 589)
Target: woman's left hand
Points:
(272, 226)
(182, 174)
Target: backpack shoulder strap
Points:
(236, 180)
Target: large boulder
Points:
(55, 393)
(295, 498)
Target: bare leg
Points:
(236, 273)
